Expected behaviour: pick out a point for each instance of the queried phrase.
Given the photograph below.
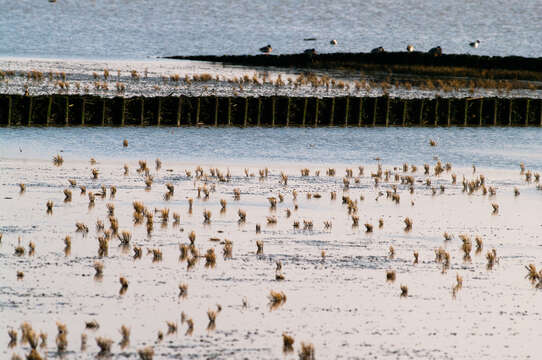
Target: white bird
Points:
(410, 48)
(475, 44)
(333, 42)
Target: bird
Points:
(475, 44)
(310, 51)
(436, 51)
(377, 50)
(410, 48)
(266, 49)
(333, 42)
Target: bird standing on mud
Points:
(410, 48)
(266, 49)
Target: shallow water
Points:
(341, 303)
(139, 29)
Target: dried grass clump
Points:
(93, 325)
(138, 252)
(12, 337)
(125, 333)
(276, 299)
(287, 343)
(80, 227)
(62, 337)
(368, 228)
(227, 251)
(466, 247)
(183, 290)
(210, 258)
(58, 160)
(22, 188)
(146, 353)
(156, 255)
(495, 207)
(259, 244)
(49, 207)
(390, 275)
(206, 216)
(408, 224)
(104, 344)
(306, 352)
(211, 314)
(404, 291)
(171, 327)
(99, 268)
(491, 257)
(123, 285)
(416, 257)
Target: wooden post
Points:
(316, 114)
(510, 113)
(360, 115)
(198, 107)
(495, 109)
(405, 105)
(67, 112)
(420, 120)
(387, 111)
(216, 111)
(375, 107)
(346, 109)
(481, 112)
(49, 107)
(142, 112)
(103, 112)
(10, 102)
(123, 111)
(540, 122)
(288, 112)
(246, 112)
(436, 111)
(449, 112)
(83, 105)
(30, 111)
(331, 116)
(159, 112)
(465, 119)
(273, 101)
(304, 112)
(180, 110)
(258, 121)
(527, 112)
(229, 111)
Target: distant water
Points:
(496, 148)
(138, 29)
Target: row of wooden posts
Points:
(272, 111)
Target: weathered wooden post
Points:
(288, 112)
(420, 120)
(316, 114)
(198, 107)
(103, 112)
(229, 111)
(346, 110)
(29, 111)
(123, 111)
(527, 112)
(49, 107)
(375, 107)
(67, 112)
(540, 121)
(495, 109)
(159, 112)
(273, 101)
(331, 115)
(510, 113)
(83, 105)
(481, 111)
(180, 110)
(360, 114)
(142, 112)
(10, 104)
(246, 112)
(466, 114)
(258, 121)
(405, 105)
(387, 111)
(449, 112)
(436, 111)
(305, 112)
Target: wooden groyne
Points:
(271, 111)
